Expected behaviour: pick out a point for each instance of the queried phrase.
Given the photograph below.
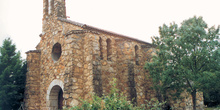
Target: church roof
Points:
(88, 27)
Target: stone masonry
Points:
(74, 60)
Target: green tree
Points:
(12, 76)
(212, 88)
(184, 58)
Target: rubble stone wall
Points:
(70, 66)
(131, 78)
(186, 102)
(32, 87)
(82, 60)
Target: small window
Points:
(56, 51)
(100, 47)
(109, 49)
(136, 55)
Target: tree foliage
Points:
(212, 90)
(12, 76)
(185, 58)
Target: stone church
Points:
(74, 60)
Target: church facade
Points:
(74, 60)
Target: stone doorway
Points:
(56, 98)
(55, 95)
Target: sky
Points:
(21, 20)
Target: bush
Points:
(115, 101)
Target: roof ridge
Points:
(88, 27)
(70, 21)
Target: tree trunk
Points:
(194, 99)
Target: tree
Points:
(12, 76)
(184, 59)
(212, 88)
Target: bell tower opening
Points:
(54, 8)
(51, 6)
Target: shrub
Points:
(114, 101)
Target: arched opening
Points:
(56, 98)
(109, 49)
(55, 95)
(100, 47)
(136, 55)
(56, 52)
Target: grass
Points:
(213, 108)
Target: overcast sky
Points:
(22, 19)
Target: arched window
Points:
(136, 55)
(100, 47)
(51, 6)
(109, 49)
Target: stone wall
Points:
(131, 78)
(186, 102)
(88, 65)
(80, 60)
(69, 67)
(32, 87)
(89, 60)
